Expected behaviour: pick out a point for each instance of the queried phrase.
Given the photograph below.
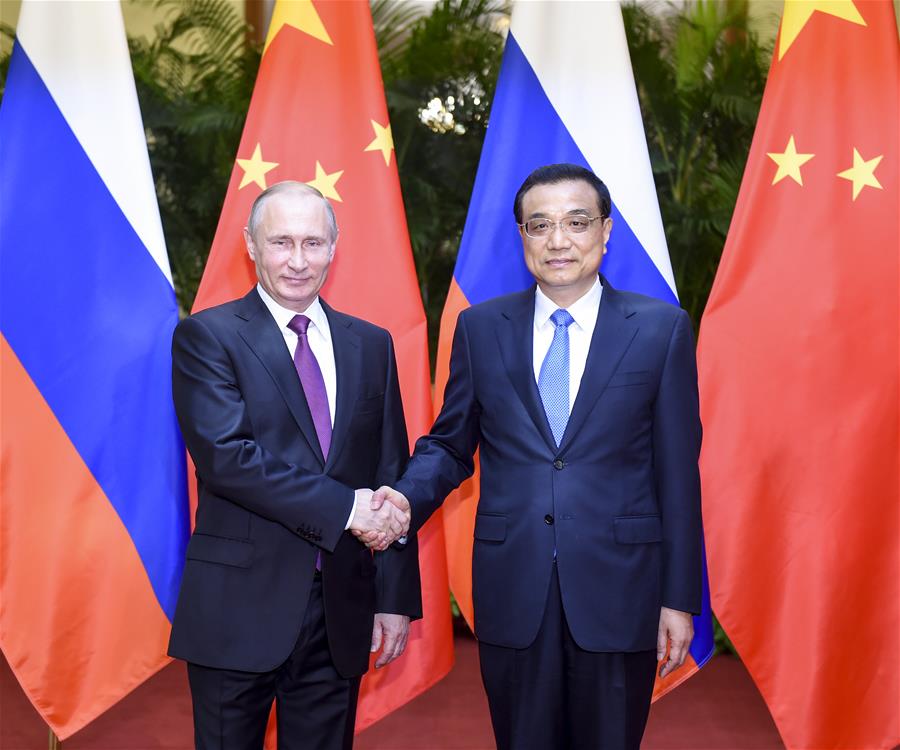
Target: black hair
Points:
(551, 174)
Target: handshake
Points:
(380, 518)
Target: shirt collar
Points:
(583, 310)
(315, 312)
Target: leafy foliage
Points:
(194, 82)
(438, 87)
(7, 37)
(700, 74)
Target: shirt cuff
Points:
(353, 509)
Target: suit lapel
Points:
(261, 334)
(515, 334)
(613, 334)
(348, 363)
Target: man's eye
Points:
(539, 226)
(577, 223)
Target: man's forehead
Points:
(291, 207)
(292, 199)
(570, 195)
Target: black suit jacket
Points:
(618, 501)
(268, 502)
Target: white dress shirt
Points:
(584, 311)
(318, 334)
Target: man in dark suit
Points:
(286, 407)
(587, 557)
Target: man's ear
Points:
(251, 247)
(333, 246)
(607, 230)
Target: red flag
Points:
(318, 115)
(799, 386)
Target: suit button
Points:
(548, 519)
(558, 464)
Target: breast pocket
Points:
(625, 379)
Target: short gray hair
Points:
(284, 187)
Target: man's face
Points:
(292, 248)
(564, 265)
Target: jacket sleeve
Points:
(676, 453)
(217, 430)
(397, 584)
(443, 459)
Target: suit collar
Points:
(516, 340)
(615, 330)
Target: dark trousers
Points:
(553, 695)
(316, 707)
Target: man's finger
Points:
(678, 652)
(387, 653)
(377, 632)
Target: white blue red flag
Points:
(565, 93)
(94, 519)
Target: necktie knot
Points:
(299, 324)
(562, 318)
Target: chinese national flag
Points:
(799, 356)
(318, 115)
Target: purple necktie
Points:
(313, 383)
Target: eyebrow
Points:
(573, 212)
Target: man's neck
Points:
(565, 297)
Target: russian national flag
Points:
(565, 93)
(93, 520)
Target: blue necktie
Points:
(553, 381)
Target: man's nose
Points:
(297, 259)
(558, 237)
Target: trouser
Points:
(554, 695)
(316, 707)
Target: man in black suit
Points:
(288, 407)
(582, 400)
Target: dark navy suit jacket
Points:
(268, 502)
(618, 500)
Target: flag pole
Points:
(54, 743)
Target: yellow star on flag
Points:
(302, 15)
(255, 169)
(789, 163)
(862, 173)
(325, 183)
(383, 142)
(798, 12)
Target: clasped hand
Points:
(380, 517)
